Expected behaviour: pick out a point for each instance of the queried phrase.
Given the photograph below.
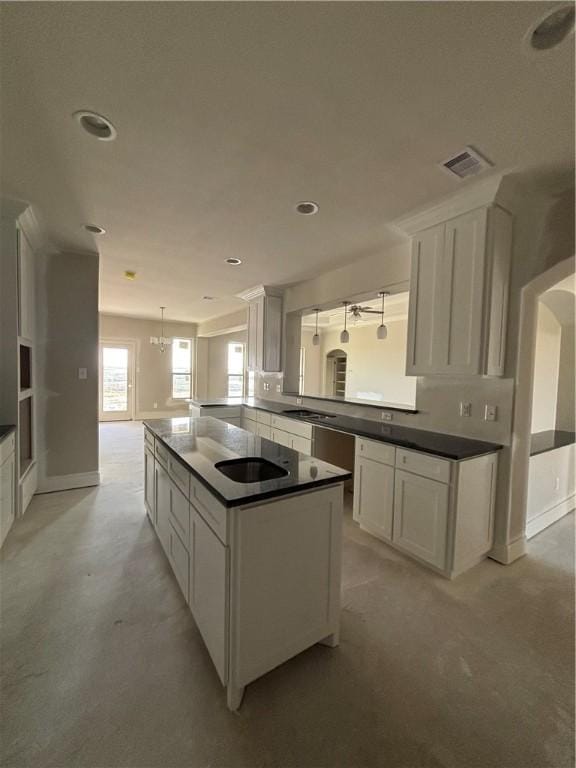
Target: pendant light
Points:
(161, 341)
(345, 336)
(382, 331)
(316, 337)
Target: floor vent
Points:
(466, 163)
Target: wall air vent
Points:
(466, 163)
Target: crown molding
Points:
(475, 196)
(223, 331)
(259, 290)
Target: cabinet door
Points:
(179, 560)
(374, 496)
(252, 335)
(281, 437)
(263, 430)
(149, 477)
(421, 517)
(208, 596)
(302, 444)
(425, 311)
(250, 426)
(272, 335)
(162, 505)
(7, 496)
(462, 286)
(26, 292)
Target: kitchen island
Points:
(253, 532)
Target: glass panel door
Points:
(116, 382)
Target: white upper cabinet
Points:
(264, 330)
(459, 295)
(26, 293)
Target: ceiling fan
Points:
(357, 311)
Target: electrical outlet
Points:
(465, 409)
(278, 388)
(490, 413)
(557, 484)
(298, 401)
(386, 416)
(155, 405)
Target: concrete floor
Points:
(103, 665)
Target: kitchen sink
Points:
(253, 470)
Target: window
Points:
(181, 369)
(235, 369)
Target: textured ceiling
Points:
(230, 113)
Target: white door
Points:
(421, 517)
(116, 381)
(374, 497)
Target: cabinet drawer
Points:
(6, 447)
(302, 445)
(179, 560)
(250, 426)
(281, 437)
(264, 430)
(423, 464)
(161, 453)
(149, 438)
(263, 417)
(180, 514)
(179, 475)
(302, 429)
(249, 413)
(213, 513)
(371, 449)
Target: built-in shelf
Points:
(25, 434)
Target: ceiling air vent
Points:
(466, 163)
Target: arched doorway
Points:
(335, 373)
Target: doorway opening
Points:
(335, 377)
(116, 381)
(551, 474)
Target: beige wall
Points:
(566, 406)
(230, 322)
(217, 359)
(546, 369)
(153, 385)
(67, 408)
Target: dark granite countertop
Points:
(439, 444)
(201, 442)
(549, 440)
(5, 430)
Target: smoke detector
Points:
(466, 163)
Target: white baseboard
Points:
(508, 553)
(550, 516)
(68, 482)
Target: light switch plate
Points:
(490, 412)
(82, 373)
(465, 409)
(386, 416)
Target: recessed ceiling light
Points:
(234, 262)
(130, 275)
(551, 30)
(208, 298)
(96, 125)
(307, 208)
(94, 229)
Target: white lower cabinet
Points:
(374, 496)
(179, 559)
(264, 430)
(7, 486)
(208, 589)
(281, 437)
(421, 517)
(437, 510)
(162, 505)
(149, 484)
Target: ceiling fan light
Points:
(344, 337)
(382, 332)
